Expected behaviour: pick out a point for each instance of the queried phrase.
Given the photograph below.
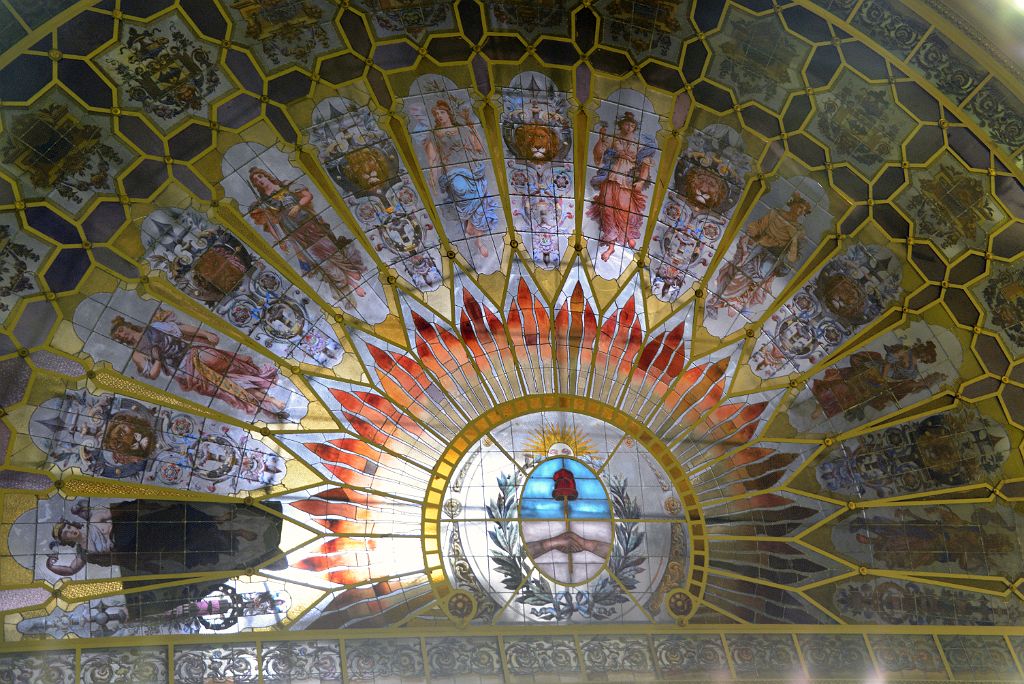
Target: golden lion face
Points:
(367, 168)
(704, 189)
(843, 296)
(537, 143)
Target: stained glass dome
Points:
(402, 341)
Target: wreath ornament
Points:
(547, 600)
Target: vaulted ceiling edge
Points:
(419, 341)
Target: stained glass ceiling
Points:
(508, 341)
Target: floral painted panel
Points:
(233, 664)
(209, 264)
(978, 655)
(757, 57)
(1003, 298)
(412, 18)
(952, 206)
(708, 181)
(284, 34)
(364, 164)
(907, 655)
(652, 28)
(21, 255)
(616, 655)
(764, 656)
(141, 664)
(535, 657)
(697, 656)
(948, 449)
(60, 152)
(998, 111)
(384, 660)
(530, 18)
(901, 602)
(850, 290)
(860, 123)
(464, 659)
(836, 655)
(52, 667)
(288, 662)
(536, 129)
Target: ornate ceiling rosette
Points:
(598, 340)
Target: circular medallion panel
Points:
(560, 516)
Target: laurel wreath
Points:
(547, 603)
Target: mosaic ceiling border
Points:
(27, 21)
(934, 273)
(990, 101)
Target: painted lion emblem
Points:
(705, 190)
(537, 143)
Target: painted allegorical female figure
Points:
(286, 212)
(625, 161)
(455, 155)
(874, 379)
(768, 248)
(191, 356)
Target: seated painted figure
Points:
(160, 537)
(144, 538)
